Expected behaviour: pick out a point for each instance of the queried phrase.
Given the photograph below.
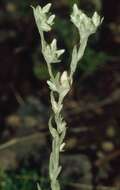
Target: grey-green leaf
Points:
(74, 61)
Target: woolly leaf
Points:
(74, 61)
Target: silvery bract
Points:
(85, 24)
(43, 22)
(51, 53)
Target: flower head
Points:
(43, 21)
(85, 24)
(51, 53)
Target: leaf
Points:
(56, 80)
(63, 92)
(58, 171)
(61, 125)
(50, 19)
(51, 86)
(65, 80)
(56, 106)
(38, 186)
(51, 166)
(54, 103)
(74, 61)
(46, 8)
(57, 77)
(53, 131)
(62, 147)
(62, 136)
(54, 45)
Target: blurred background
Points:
(92, 108)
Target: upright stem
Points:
(58, 137)
(50, 70)
(58, 134)
(61, 84)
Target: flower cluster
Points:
(51, 53)
(85, 24)
(43, 21)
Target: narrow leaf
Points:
(53, 131)
(74, 61)
(46, 8)
(38, 186)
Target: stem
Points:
(50, 71)
(83, 44)
(43, 43)
(76, 57)
(54, 160)
(54, 167)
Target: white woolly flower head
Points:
(85, 24)
(43, 21)
(51, 53)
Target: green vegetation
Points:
(24, 179)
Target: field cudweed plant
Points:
(61, 83)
